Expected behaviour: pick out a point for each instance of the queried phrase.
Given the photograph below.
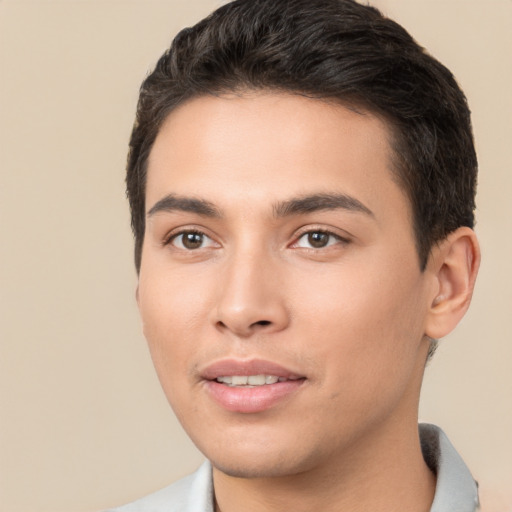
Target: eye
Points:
(318, 240)
(190, 240)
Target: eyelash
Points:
(338, 239)
(310, 232)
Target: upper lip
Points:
(228, 367)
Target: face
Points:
(280, 288)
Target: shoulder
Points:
(193, 493)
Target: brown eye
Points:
(191, 240)
(318, 240)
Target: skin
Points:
(351, 317)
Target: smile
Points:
(250, 386)
(251, 380)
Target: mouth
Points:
(252, 381)
(239, 371)
(250, 386)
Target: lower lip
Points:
(251, 399)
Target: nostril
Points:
(263, 322)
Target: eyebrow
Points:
(318, 202)
(172, 202)
(294, 206)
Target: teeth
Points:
(250, 380)
(238, 380)
(256, 380)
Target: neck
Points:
(384, 475)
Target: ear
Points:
(454, 264)
(137, 296)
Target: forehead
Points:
(266, 146)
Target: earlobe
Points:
(455, 263)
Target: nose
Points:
(251, 297)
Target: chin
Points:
(264, 462)
(250, 469)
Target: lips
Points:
(250, 386)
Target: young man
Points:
(302, 178)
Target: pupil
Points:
(192, 240)
(318, 239)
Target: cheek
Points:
(173, 312)
(367, 325)
(171, 297)
(171, 327)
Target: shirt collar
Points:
(455, 488)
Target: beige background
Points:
(83, 423)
